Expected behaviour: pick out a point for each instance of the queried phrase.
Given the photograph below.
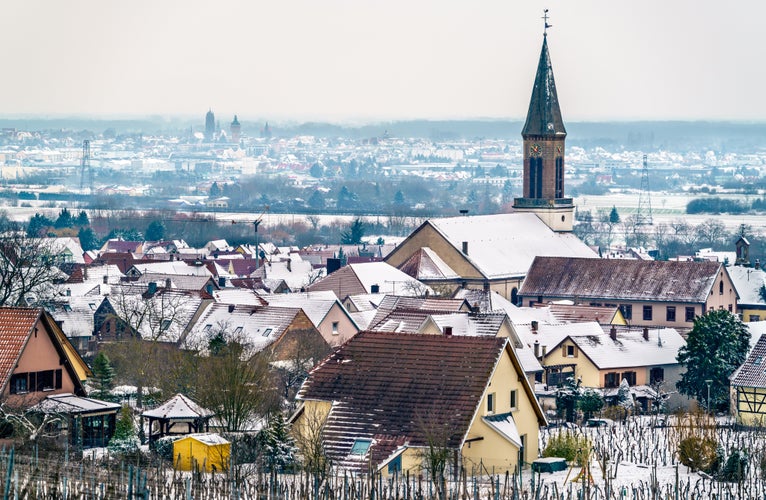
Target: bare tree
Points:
(27, 267)
(308, 432)
(237, 388)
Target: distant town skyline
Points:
(340, 60)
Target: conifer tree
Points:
(124, 439)
(103, 376)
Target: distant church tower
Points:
(544, 136)
(235, 130)
(209, 126)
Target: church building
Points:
(494, 252)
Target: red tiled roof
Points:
(565, 277)
(16, 324)
(399, 384)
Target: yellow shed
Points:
(208, 452)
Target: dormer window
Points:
(360, 446)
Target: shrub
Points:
(164, 446)
(700, 453)
(735, 468)
(616, 413)
(568, 445)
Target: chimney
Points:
(289, 266)
(545, 350)
(486, 286)
(68, 292)
(646, 333)
(332, 265)
(537, 349)
(375, 288)
(534, 326)
(231, 308)
(757, 263)
(172, 257)
(106, 279)
(465, 247)
(448, 331)
(221, 281)
(168, 283)
(152, 289)
(613, 333)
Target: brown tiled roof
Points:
(569, 277)
(16, 324)
(752, 373)
(343, 282)
(401, 384)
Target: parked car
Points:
(599, 422)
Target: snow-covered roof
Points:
(630, 349)
(179, 407)
(316, 305)
(504, 245)
(748, 282)
(70, 404)
(171, 267)
(208, 438)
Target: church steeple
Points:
(544, 143)
(544, 116)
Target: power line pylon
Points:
(644, 215)
(85, 165)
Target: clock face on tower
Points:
(535, 150)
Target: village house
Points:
(748, 387)
(369, 278)
(37, 360)
(648, 293)
(750, 283)
(645, 358)
(381, 395)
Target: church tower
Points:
(209, 126)
(544, 135)
(236, 130)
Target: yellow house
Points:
(748, 387)
(643, 357)
(749, 282)
(205, 452)
(383, 399)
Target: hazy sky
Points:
(364, 59)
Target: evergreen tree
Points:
(399, 198)
(567, 397)
(316, 201)
(124, 439)
(88, 239)
(354, 234)
(716, 346)
(103, 376)
(614, 216)
(624, 397)
(215, 191)
(278, 445)
(82, 219)
(38, 226)
(155, 231)
(65, 219)
(590, 402)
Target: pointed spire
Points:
(544, 116)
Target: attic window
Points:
(67, 308)
(758, 360)
(238, 330)
(360, 446)
(207, 328)
(165, 325)
(267, 332)
(92, 306)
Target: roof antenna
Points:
(545, 18)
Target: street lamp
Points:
(708, 382)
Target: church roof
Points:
(544, 116)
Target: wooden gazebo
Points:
(177, 417)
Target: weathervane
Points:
(545, 18)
